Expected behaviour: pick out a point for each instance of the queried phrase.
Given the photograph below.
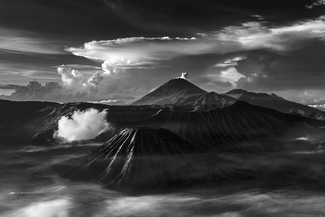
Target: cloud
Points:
(26, 42)
(71, 77)
(318, 106)
(137, 52)
(229, 62)
(113, 85)
(36, 91)
(82, 125)
(145, 52)
(230, 75)
(316, 3)
(9, 86)
(51, 208)
(255, 35)
(251, 72)
(176, 17)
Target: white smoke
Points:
(184, 75)
(82, 125)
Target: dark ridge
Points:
(208, 100)
(269, 101)
(236, 91)
(144, 158)
(239, 127)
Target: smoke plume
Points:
(82, 125)
(184, 75)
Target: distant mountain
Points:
(172, 92)
(143, 158)
(275, 102)
(181, 92)
(207, 101)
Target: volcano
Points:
(143, 158)
(172, 92)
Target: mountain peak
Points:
(237, 91)
(181, 84)
(170, 92)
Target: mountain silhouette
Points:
(170, 93)
(181, 92)
(275, 102)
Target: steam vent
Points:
(145, 158)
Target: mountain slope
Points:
(239, 127)
(206, 101)
(170, 93)
(270, 101)
(143, 158)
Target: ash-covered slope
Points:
(22, 120)
(208, 101)
(171, 92)
(143, 158)
(239, 127)
(274, 102)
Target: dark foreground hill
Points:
(155, 159)
(144, 158)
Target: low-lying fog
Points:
(63, 200)
(27, 191)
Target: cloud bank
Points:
(144, 51)
(82, 125)
(106, 83)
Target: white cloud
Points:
(229, 62)
(71, 78)
(82, 125)
(230, 75)
(145, 52)
(318, 106)
(281, 39)
(137, 52)
(316, 4)
(258, 17)
(51, 208)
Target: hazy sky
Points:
(125, 48)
